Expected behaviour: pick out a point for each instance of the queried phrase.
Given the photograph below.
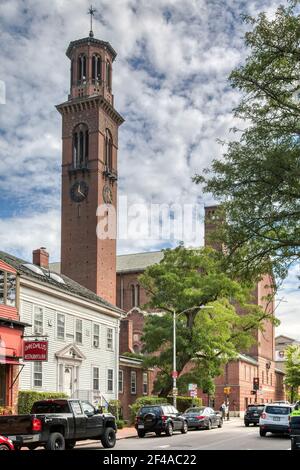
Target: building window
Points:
(96, 378)
(133, 382)
(271, 379)
(38, 320)
(145, 383)
(8, 288)
(262, 377)
(60, 331)
(108, 75)
(96, 68)
(80, 146)
(121, 381)
(135, 295)
(37, 374)
(108, 150)
(78, 331)
(81, 68)
(110, 339)
(110, 380)
(96, 335)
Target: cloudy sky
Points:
(170, 84)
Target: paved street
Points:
(233, 436)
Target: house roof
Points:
(129, 263)
(69, 286)
(245, 358)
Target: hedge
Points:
(182, 403)
(26, 398)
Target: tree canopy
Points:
(258, 179)
(186, 280)
(292, 377)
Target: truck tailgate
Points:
(15, 425)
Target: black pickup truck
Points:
(58, 424)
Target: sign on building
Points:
(35, 350)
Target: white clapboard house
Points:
(82, 331)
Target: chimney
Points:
(40, 257)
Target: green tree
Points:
(292, 377)
(258, 179)
(186, 280)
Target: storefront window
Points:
(1, 287)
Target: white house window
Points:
(60, 332)
(96, 378)
(121, 381)
(37, 374)
(145, 383)
(78, 331)
(110, 380)
(110, 339)
(38, 320)
(96, 336)
(133, 382)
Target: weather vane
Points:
(91, 12)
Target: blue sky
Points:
(170, 84)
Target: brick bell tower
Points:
(89, 166)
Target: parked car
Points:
(295, 432)
(252, 414)
(158, 419)
(203, 418)
(275, 419)
(58, 424)
(6, 444)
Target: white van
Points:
(275, 419)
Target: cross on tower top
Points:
(91, 12)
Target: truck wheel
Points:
(56, 441)
(70, 445)
(141, 433)
(108, 439)
(4, 447)
(262, 433)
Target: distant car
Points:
(275, 419)
(6, 444)
(203, 418)
(158, 419)
(252, 414)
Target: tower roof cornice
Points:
(91, 41)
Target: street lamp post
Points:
(174, 374)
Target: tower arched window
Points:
(96, 68)
(82, 68)
(80, 146)
(135, 295)
(108, 75)
(108, 150)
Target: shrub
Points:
(185, 402)
(26, 398)
(120, 424)
(145, 401)
(114, 407)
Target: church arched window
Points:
(80, 146)
(96, 68)
(82, 68)
(108, 75)
(135, 295)
(108, 150)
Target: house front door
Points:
(68, 380)
(2, 384)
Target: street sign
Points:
(193, 393)
(175, 392)
(174, 374)
(192, 387)
(35, 351)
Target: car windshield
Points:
(278, 410)
(50, 407)
(150, 409)
(195, 410)
(256, 408)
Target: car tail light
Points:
(36, 424)
(264, 415)
(164, 418)
(200, 417)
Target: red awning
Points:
(14, 362)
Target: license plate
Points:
(255, 414)
(276, 419)
(141, 426)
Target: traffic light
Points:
(256, 383)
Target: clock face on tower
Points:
(79, 191)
